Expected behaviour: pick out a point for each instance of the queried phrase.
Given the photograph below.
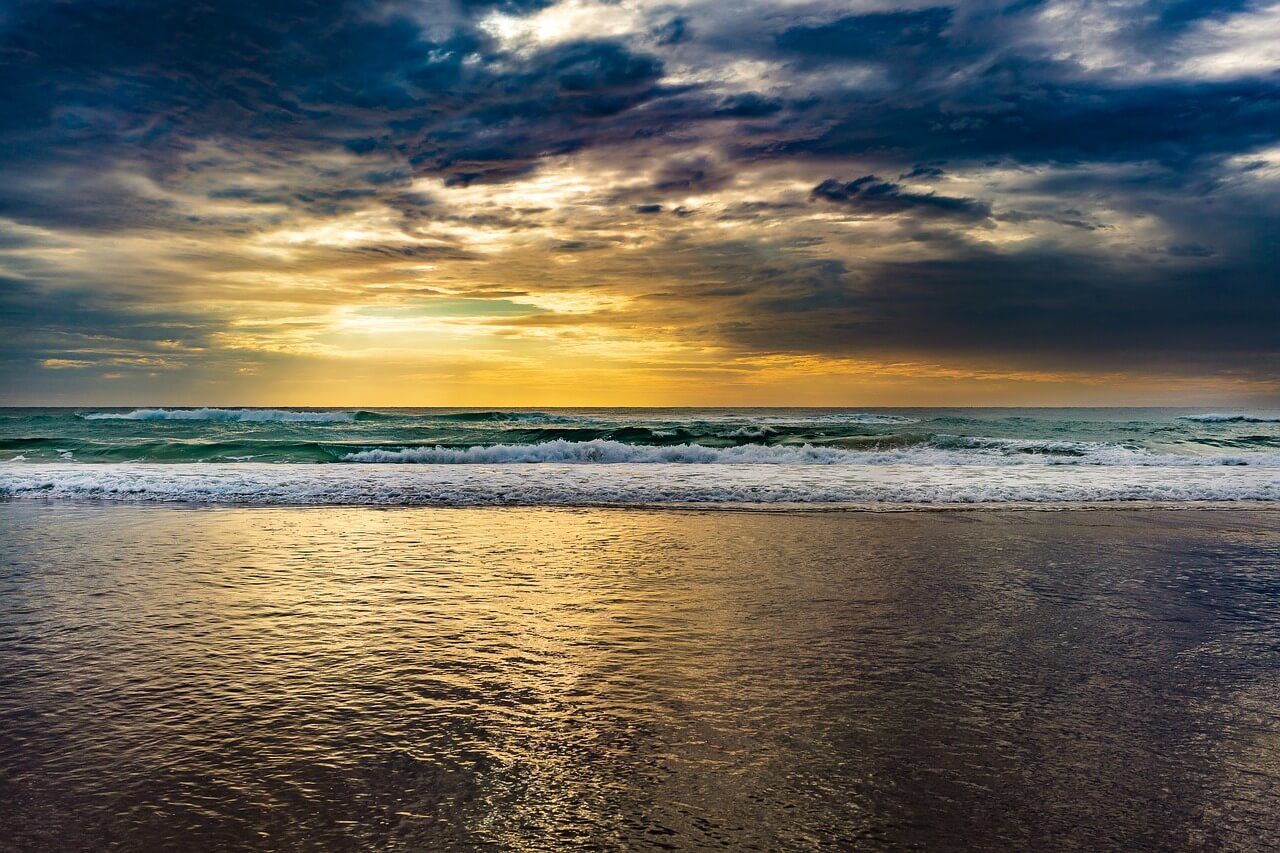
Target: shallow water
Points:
(348, 678)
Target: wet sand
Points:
(329, 678)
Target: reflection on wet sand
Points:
(417, 679)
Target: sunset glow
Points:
(638, 203)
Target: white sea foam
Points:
(226, 415)
(874, 419)
(1220, 417)
(631, 484)
(749, 432)
(940, 452)
(598, 451)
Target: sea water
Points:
(874, 457)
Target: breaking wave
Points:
(1221, 418)
(598, 451)
(501, 417)
(941, 450)
(764, 421)
(226, 415)
(877, 419)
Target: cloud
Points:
(691, 176)
(1077, 182)
(860, 38)
(1041, 308)
(872, 196)
(64, 363)
(747, 105)
(926, 172)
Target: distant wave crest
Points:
(498, 417)
(226, 415)
(765, 422)
(1228, 418)
(877, 419)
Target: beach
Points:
(282, 678)
(587, 425)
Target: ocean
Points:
(874, 458)
(606, 629)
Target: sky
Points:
(382, 202)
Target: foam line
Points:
(554, 484)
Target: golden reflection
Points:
(752, 679)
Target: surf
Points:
(226, 415)
(562, 484)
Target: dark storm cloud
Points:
(92, 86)
(691, 175)
(670, 32)
(89, 85)
(1191, 250)
(83, 325)
(925, 172)
(867, 37)
(870, 195)
(980, 82)
(1067, 218)
(748, 105)
(1013, 113)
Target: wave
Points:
(537, 425)
(510, 417)
(1221, 418)
(872, 419)
(761, 422)
(558, 484)
(939, 451)
(636, 445)
(750, 432)
(598, 451)
(813, 420)
(177, 450)
(1243, 442)
(227, 415)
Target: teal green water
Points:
(622, 435)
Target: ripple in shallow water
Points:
(425, 679)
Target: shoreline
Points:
(775, 508)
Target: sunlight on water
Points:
(419, 679)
